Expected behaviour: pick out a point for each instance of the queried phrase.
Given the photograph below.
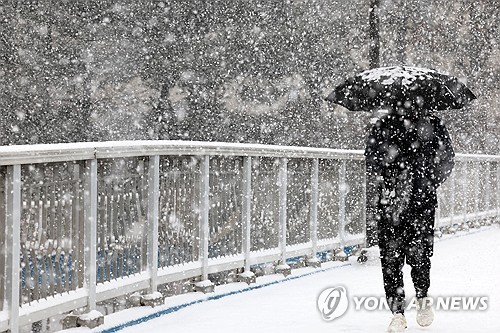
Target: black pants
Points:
(410, 238)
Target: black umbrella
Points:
(401, 86)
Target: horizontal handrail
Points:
(45, 153)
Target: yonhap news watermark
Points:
(440, 303)
(333, 302)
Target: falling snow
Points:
(234, 71)
(98, 74)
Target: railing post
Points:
(282, 268)
(247, 208)
(283, 179)
(13, 244)
(77, 226)
(204, 215)
(153, 197)
(247, 276)
(313, 260)
(205, 285)
(90, 232)
(342, 199)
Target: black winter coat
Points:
(407, 158)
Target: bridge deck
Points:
(465, 264)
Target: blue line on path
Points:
(211, 298)
(216, 297)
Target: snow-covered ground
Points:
(465, 264)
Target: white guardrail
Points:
(84, 223)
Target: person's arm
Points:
(444, 157)
(373, 154)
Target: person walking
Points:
(408, 156)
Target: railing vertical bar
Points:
(363, 203)
(90, 232)
(123, 216)
(247, 209)
(204, 215)
(487, 188)
(13, 244)
(476, 192)
(102, 234)
(68, 213)
(314, 206)
(108, 232)
(153, 198)
(127, 241)
(465, 194)
(283, 179)
(452, 199)
(437, 216)
(342, 199)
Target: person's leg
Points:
(392, 259)
(419, 246)
(420, 275)
(419, 243)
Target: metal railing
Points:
(89, 222)
(84, 223)
(471, 194)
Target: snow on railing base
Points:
(472, 221)
(91, 319)
(283, 269)
(205, 286)
(340, 255)
(154, 299)
(247, 277)
(313, 261)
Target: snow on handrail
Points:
(43, 153)
(477, 157)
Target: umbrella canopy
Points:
(401, 86)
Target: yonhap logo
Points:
(333, 303)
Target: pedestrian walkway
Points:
(465, 264)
